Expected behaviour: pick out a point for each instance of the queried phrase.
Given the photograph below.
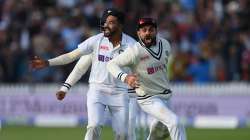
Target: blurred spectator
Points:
(210, 39)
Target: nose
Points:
(147, 32)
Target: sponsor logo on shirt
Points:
(152, 70)
(102, 47)
(104, 58)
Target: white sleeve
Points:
(84, 48)
(87, 46)
(79, 70)
(127, 58)
(65, 58)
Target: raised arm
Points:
(79, 70)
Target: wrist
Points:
(47, 63)
(65, 87)
(123, 77)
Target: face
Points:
(111, 26)
(147, 34)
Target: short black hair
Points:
(146, 21)
(114, 12)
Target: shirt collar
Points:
(124, 40)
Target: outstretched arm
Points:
(84, 48)
(79, 70)
(39, 63)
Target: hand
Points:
(132, 80)
(60, 95)
(39, 63)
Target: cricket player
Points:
(104, 90)
(79, 70)
(148, 59)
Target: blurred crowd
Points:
(210, 38)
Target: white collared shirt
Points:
(150, 65)
(103, 51)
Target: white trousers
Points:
(97, 101)
(158, 108)
(133, 110)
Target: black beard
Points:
(110, 34)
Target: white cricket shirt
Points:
(103, 51)
(150, 65)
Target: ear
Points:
(138, 33)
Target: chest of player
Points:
(106, 52)
(153, 60)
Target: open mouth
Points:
(106, 32)
(148, 39)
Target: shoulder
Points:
(129, 40)
(96, 37)
(91, 40)
(135, 48)
(165, 43)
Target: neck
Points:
(116, 39)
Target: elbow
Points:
(111, 68)
(74, 54)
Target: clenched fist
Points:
(132, 80)
(60, 95)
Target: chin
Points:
(148, 43)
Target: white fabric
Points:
(157, 108)
(105, 91)
(133, 110)
(150, 69)
(65, 58)
(103, 51)
(80, 68)
(98, 100)
(150, 64)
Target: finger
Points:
(58, 96)
(132, 84)
(137, 84)
(135, 75)
(62, 96)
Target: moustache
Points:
(104, 28)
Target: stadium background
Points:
(209, 70)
